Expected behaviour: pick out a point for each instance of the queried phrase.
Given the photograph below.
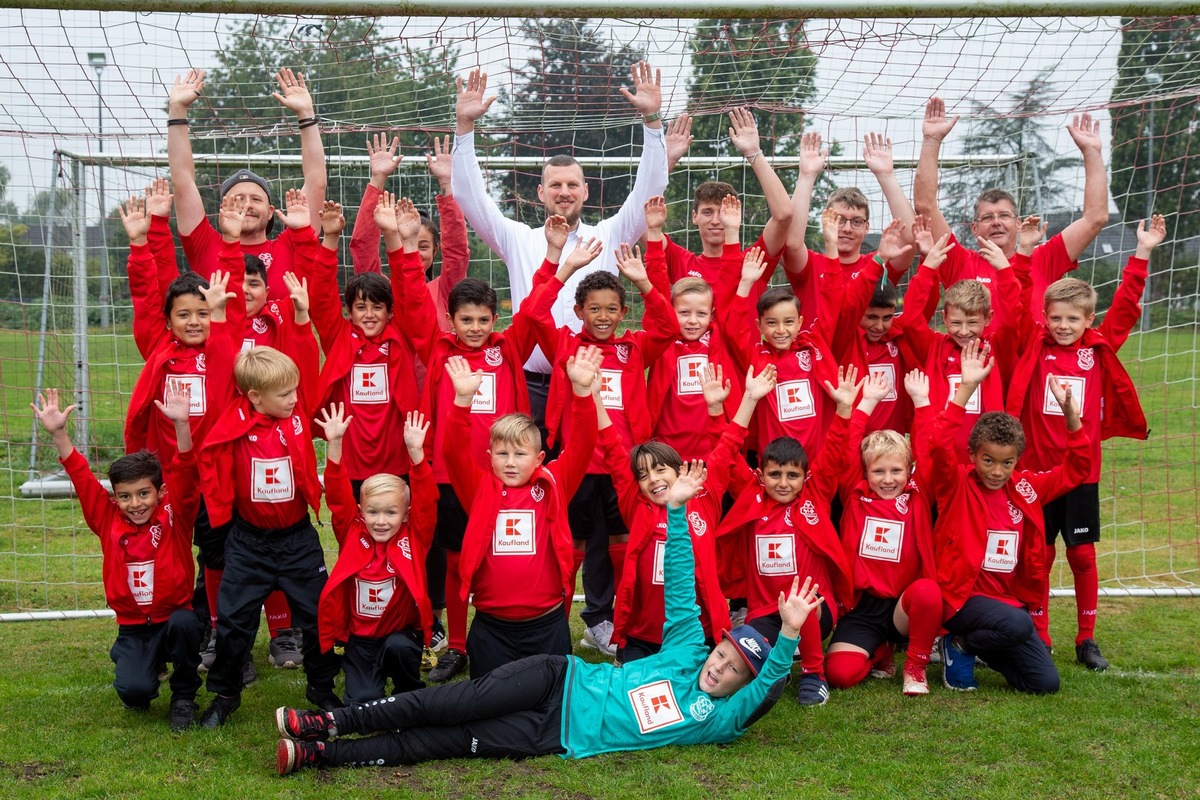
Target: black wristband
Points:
(177, 121)
(307, 122)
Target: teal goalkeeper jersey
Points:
(657, 701)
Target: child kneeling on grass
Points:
(146, 539)
(547, 704)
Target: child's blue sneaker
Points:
(958, 668)
(814, 690)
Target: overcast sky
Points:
(872, 75)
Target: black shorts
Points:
(493, 642)
(769, 625)
(1076, 515)
(869, 624)
(451, 519)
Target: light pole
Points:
(98, 62)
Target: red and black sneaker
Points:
(291, 756)
(304, 726)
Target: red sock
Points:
(1041, 617)
(616, 554)
(812, 659)
(846, 668)
(577, 562)
(922, 602)
(1082, 559)
(456, 606)
(279, 616)
(212, 585)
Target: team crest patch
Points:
(787, 516)
(704, 337)
(1087, 357)
(156, 533)
(259, 324)
(893, 351)
(267, 258)
(297, 425)
(902, 503)
(405, 548)
(274, 309)
(804, 358)
(701, 708)
(623, 353)
(200, 363)
(282, 436)
(699, 526)
(809, 512)
(1026, 490)
(492, 356)
(537, 493)
(385, 348)
(654, 706)
(1015, 514)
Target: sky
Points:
(873, 75)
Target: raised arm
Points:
(293, 95)
(339, 495)
(925, 182)
(743, 132)
(1126, 306)
(456, 252)
(382, 160)
(812, 163)
(877, 152)
(1082, 232)
(189, 208)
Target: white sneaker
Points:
(599, 637)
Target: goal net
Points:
(82, 126)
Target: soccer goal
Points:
(82, 127)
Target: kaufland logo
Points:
(654, 706)
(372, 597)
(369, 384)
(271, 480)
(514, 533)
(1000, 554)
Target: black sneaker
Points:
(284, 652)
(291, 756)
(183, 714)
(219, 711)
(1088, 654)
(814, 690)
(326, 701)
(306, 726)
(249, 673)
(450, 663)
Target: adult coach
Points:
(563, 191)
(201, 241)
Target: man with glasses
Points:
(996, 214)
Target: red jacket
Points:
(811, 517)
(405, 553)
(480, 493)
(1122, 410)
(171, 524)
(640, 348)
(643, 517)
(959, 537)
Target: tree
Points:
(1012, 131)
(766, 65)
(567, 102)
(1154, 160)
(359, 80)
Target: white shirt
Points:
(523, 248)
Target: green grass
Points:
(1130, 732)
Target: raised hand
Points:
(656, 212)
(690, 483)
(159, 197)
(470, 104)
(753, 266)
(743, 132)
(293, 93)
(923, 234)
(714, 386)
(186, 91)
(936, 126)
(798, 604)
(382, 158)
(584, 253)
(992, 254)
(877, 153)
(217, 294)
(893, 245)
(760, 385)
(1062, 393)
(583, 367)
(297, 216)
(678, 139)
(52, 418)
(232, 216)
(135, 219)
(1031, 231)
(916, 383)
(829, 231)
(298, 292)
(1085, 132)
(629, 264)
(178, 405)
(385, 214)
(557, 229)
(334, 422)
(812, 157)
(847, 386)
(332, 220)
(415, 428)
(976, 362)
(466, 383)
(439, 162)
(937, 254)
(730, 213)
(646, 96)
(1152, 237)
(408, 220)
